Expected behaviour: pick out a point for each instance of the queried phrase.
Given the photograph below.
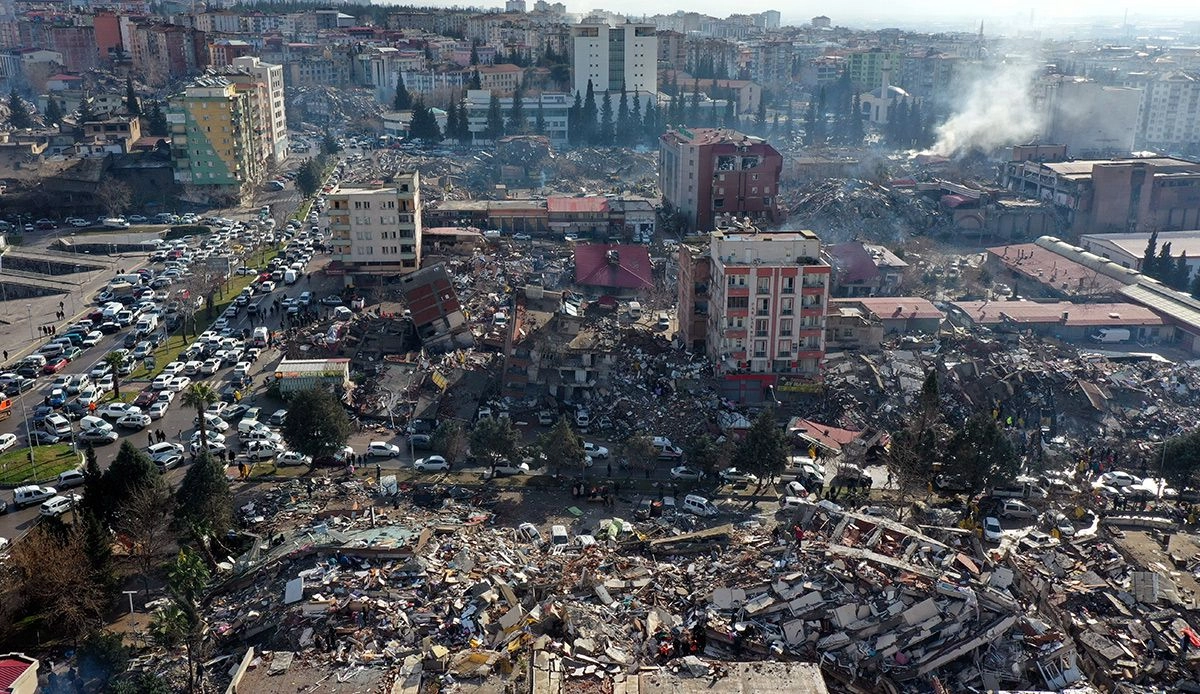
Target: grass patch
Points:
(15, 467)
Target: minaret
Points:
(887, 78)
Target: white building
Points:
(554, 107)
(1091, 119)
(1169, 115)
(376, 232)
(612, 56)
(877, 104)
(271, 77)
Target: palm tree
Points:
(116, 361)
(199, 396)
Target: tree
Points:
(452, 126)
(1163, 264)
(95, 495)
(18, 112)
(562, 447)
(316, 424)
(403, 100)
(623, 131)
(1181, 274)
(1195, 286)
(1150, 256)
(97, 541)
(981, 453)
(590, 114)
(639, 452)
(703, 452)
(493, 129)
(539, 123)
(604, 136)
(86, 112)
(764, 450)
(856, 130)
(475, 53)
(494, 440)
(102, 656)
(635, 119)
(139, 683)
(730, 120)
(156, 121)
(516, 114)
(760, 117)
(1179, 458)
(651, 125)
(114, 197)
(130, 471)
(204, 503)
(116, 361)
(198, 397)
(575, 133)
(52, 574)
(452, 441)
(181, 621)
(329, 144)
(53, 114)
(308, 178)
(916, 447)
(424, 125)
(131, 99)
(810, 124)
(475, 82)
(144, 523)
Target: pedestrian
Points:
(608, 466)
(309, 486)
(352, 469)
(150, 437)
(6, 355)
(378, 472)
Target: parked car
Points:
(382, 449)
(278, 417)
(116, 409)
(7, 441)
(1016, 509)
(134, 420)
(731, 475)
(991, 529)
(684, 472)
(420, 442)
(57, 506)
(592, 450)
(68, 479)
(98, 436)
(433, 463)
(293, 458)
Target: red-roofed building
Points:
(586, 217)
(1065, 320)
(828, 440)
(615, 269)
(862, 323)
(434, 306)
(18, 674)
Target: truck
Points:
(289, 276)
(1111, 335)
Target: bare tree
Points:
(145, 523)
(113, 196)
(54, 576)
(639, 452)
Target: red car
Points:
(53, 367)
(146, 398)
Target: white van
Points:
(92, 422)
(698, 505)
(32, 494)
(57, 424)
(342, 313)
(147, 324)
(260, 337)
(635, 310)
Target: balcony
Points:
(737, 291)
(763, 312)
(760, 333)
(787, 290)
(811, 290)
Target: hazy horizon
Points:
(902, 13)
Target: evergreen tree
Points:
(1163, 264)
(730, 113)
(635, 117)
(575, 134)
(775, 126)
(539, 123)
(693, 115)
(18, 112)
(85, 111)
(475, 82)
(130, 471)
(622, 132)
(1150, 256)
(403, 100)
(156, 121)
(790, 128)
(605, 136)
(856, 131)
(1195, 286)
(760, 118)
(822, 109)
(464, 124)
(424, 125)
(475, 53)
(590, 114)
(810, 124)
(452, 126)
(651, 128)
(53, 114)
(516, 114)
(1181, 274)
(131, 99)
(494, 129)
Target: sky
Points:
(903, 13)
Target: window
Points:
(786, 306)
(764, 285)
(767, 201)
(784, 348)
(789, 285)
(760, 327)
(764, 307)
(785, 326)
(760, 348)
(719, 203)
(735, 302)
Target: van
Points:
(32, 494)
(260, 337)
(133, 278)
(1017, 491)
(1111, 335)
(635, 310)
(245, 426)
(56, 506)
(92, 422)
(147, 324)
(51, 350)
(342, 313)
(289, 276)
(700, 506)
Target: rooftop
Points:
(592, 203)
(1082, 168)
(711, 136)
(301, 367)
(1187, 242)
(604, 265)
(893, 307)
(1042, 265)
(1063, 312)
(12, 667)
(858, 261)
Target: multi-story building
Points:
(672, 50)
(223, 52)
(1169, 114)
(554, 110)
(766, 296)
(709, 172)
(308, 65)
(1091, 119)
(217, 156)
(866, 67)
(274, 118)
(376, 232)
(502, 78)
(614, 57)
(165, 52)
(772, 62)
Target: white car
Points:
(210, 367)
(382, 449)
(179, 383)
(7, 441)
(92, 339)
(434, 463)
(117, 409)
(241, 369)
(263, 434)
(162, 381)
(213, 447)
(134, 420)
(592, 450)
(212, 422)
(293, 458)
(260, 450)
(217, 408)
(683, 472)
(213, 436)
(1119, 479)
(173, 369)
(158, 409)
(57, 505)
(732, 474)
(89, 395)
(991, 529)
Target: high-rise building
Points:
(270, 77)
(764, 296)
(612, 57)
(708, 172)
(376, 232)
(217, 156)
(1169, 115)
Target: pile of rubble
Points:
(329, 104)
(844, 209)
(445, 596)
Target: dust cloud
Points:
(996, 109)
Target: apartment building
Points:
(165, 52)
(502, 78)
(767, 294)
(217, 156)
(554, 109)
(612, 57)
(376, 232)
(866, 67)
(1169, 113)
(274, 117)
(708, 172)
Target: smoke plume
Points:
(996, 109)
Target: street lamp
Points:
(29, 310)
(29, 440)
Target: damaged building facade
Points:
(375, 231)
